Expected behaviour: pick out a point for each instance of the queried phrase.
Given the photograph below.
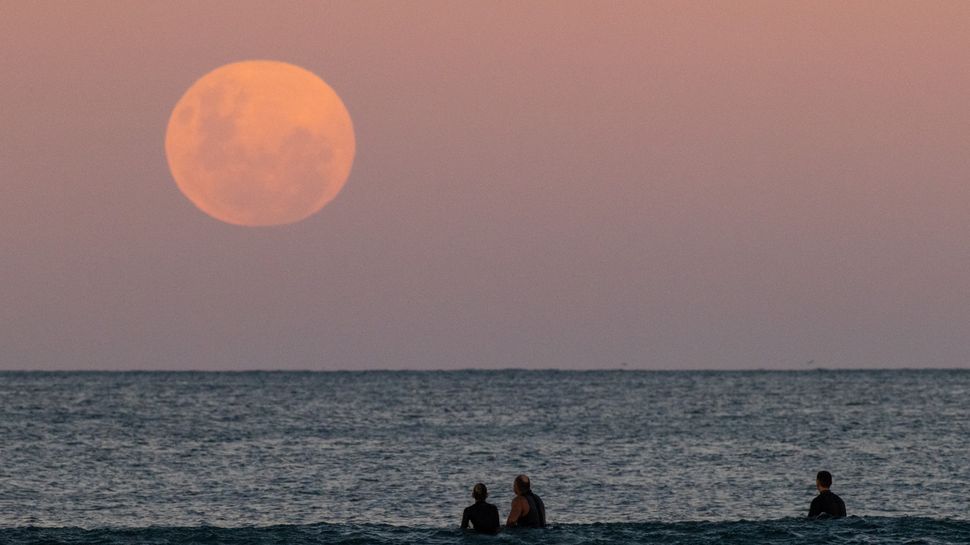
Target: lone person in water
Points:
(528, 511)
(482, 515)
(826, 504)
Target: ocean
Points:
(391, 457)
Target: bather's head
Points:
(479, 492)
(823, 481)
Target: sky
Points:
(576, 185)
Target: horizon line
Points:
(497, 369)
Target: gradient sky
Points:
(537, 184)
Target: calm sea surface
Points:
(390, 457)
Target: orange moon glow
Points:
(260, 143)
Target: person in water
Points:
(528, 511)
(482, 515)
(827, 503)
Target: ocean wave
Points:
(909, 530)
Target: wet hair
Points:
(522, 481)
(479, 492)
(824, 478)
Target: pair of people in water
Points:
(527, 510)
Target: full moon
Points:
(260, 143)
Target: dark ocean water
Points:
(789, 531)
(390, 457)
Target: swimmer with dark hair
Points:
(827, 503)
(482, 515)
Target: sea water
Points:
(391, 457)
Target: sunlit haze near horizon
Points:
(577, 185)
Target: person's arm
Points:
(814, 510)
(516, 511)
(841, 508)
(495, 519)
(464, 519)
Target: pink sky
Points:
(537, 184)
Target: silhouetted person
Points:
(482, 515)
(528, 511)
(826, 504)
